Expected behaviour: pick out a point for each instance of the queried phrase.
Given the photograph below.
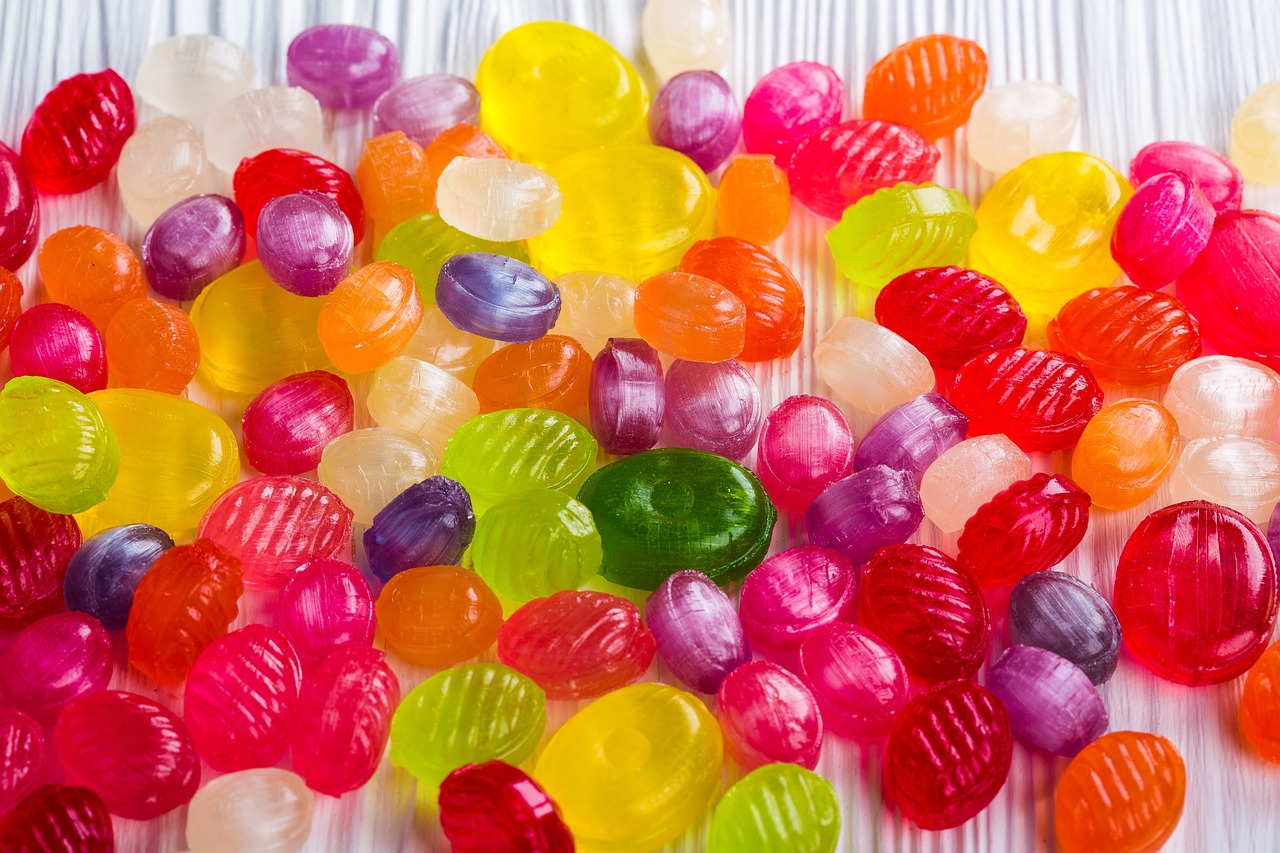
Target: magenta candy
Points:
(788, 104)
(53, 661)
(422, 107)
(1273, 532)
(305, 242)
(493, 806)
(699, 635)
(857, 678)
(713, 407)
(911, 436)
(290, 422)
(805, 445)
(865, 511)
(61, 343)
(273, 525)
(767, 715)
(35, 548)
(1051, 702)
(346, 67)
(628, 397)
(794, 593)
(77, 131)
(19, 210)
(696, 114)
(1161, 230)
(1214, 175)
(327, 604)
(22, 753)
(191, 244)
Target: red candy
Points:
(948, 755)
(1196, 593)
(76, 133)
(577, 645)
(326, 604)
(927, 609)
(1161, 229)
(1029, 527)
(768, 715)
(494, 806)
(858, 680)
(21, 757)
(58, 818)
(35, 547)
(59, 342)
(282, 171)
(1040, 399)
(19, 213)
(794, 593)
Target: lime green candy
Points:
(467, 714)
(424, 242)
(56, 449)
(536, 543)
(777, 807)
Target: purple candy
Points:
(696, 114)
(54, 660)
(1215, 175)
(864, 512)
(911, 436)
(421, 107)
(191, 244)
(346, 67)
(794, 593)
(1051, 702)
(428, 524)
(59, 342)
(628, 398)
(713, 407)
(1055, 611)
(789, 104)
(1273, 532)
(105, 571)
(305, 242)
(699, 636)
(497, 297)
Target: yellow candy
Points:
(548, 89)
(631, 211)
(1044, 230)
(176, 457)
(633, 769)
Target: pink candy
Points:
(789, 104)
(22, 755)
(1161, 230)
(1214, 175)
(327, 604)
(768, 715)
(59, 342)
(288, 424)
(53, 661)
(805, 445)
(858, 679)
(794, 593)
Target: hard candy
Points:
(104, 572)
(438, 616)
(259, 120)
(267, 809)
(192, 244)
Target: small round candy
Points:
(53, 661)
(61, 343)
(789, 104)
(346, 67)
(394, 179)
(22, 748)
(1161, 230)
(497, 297)
(1214, 175)
(680, 36)
(438, 616)
(304, 241)
(494, 806)
(160, 165)
(262, 119)
(865, 511)
(793, 594)
(595, 307)
(1125, 452)
(105, 571)
(754, 200)
(928, 83)
(1013, 122)
(367, 468)
(520, 200)
(553, 372)
(857, 678)
(370, 317)
(777, 807)
(696, 114)
(912, 436)
(967, 476)
(19, 211)
(1061, 613)
(76, 132)
(696, 629)
(870, 366)
(1222, 395)
(283, 171)
(535, 543)
(59, 817)
(1254, 141)
(35, 549)
(193, 243)
(90, 270)
(423, 107)
(767, 715)
(690, 317)
(805, 445)
(428, 524)
(189, 75)
(287, 426)
(1051, 701)
(418, 397)
(627, 397)
(152, 345)
(1257, 716)
(266, 809)
(327, 604)
(712, 407)
(1240, 472)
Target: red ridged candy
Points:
(22, 752)
(494, 806)
(76, 133)
(35, 547)
(283, 171)
(767, 714)
(58, 818)
(19, 213)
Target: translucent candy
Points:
(1240, 472)
(871, 367)
(805, 445)
(627, 397)
(1162, 229)
(53, 661)
(370, 317)
(19, 211)
(1214, 175)
(367, 468)
(424, 106)
(1257, 715)
(690, 317)
(929, 83)
(152, 345)
(1061, 613)
(1220, 395)
(438, 616)
(304, 242)
(497, 297)
(22, 760)
(192, 244)
(536, 543)
(768, 715)
(647, 791)
(470, 713)
(1255, 143)
(595, 307)
(287, 426)
(394, 179)
(695, 113)
(494, 806)
(281, 171)
(11, 293)
(865, 511)
(460, 140)
(1125, 452)
(496, 199)
(754, 199)
(681, 37)
(1013, 122)
(261, 119)
(912, 436)
(76, 132)
(712, 407)
(968, 475)
(91, 270)
(1051, 701)
(777, 807)
(58, 342)
(789, 104)
(59, 816)
(552, 372)
(268, 810)
(793, 594)
(418, 397)
(346, 67)
(188, 76)
(423, 243)
(696, 629)
(37, 546)
(326, 605)
(161, 164)
(439, 342)
(104, 572)
(857, 678)
(429, 523)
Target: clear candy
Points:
(189, 76)
(270, 117)
(1016, 121)
(161, 164)
(497, 200)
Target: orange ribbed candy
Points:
(690, 317)
(370, 317)
(754, 202)
(10, 304)
(152, 345)
(1123, 793)
(553, 372)
(928, 83)
(1260, 705)
(92, 271)
(394, 179)
(461, 140)
(438, 615)
(1124, 453)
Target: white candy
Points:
(161, 164)
(871, 367)
(188, 76)
(497, 199)
(686, 35)
(1255, 135)
(267, 810)
(367, 468)
(421, 398)
(274, 117)
(1017, 121)
(596, 306)
(1233, 470)
(968, 475)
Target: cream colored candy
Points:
(1255, 135)
(419, 397)
(449, 348)
(1223, 395)
(1017, 121)
(497, 199)
(967, 476)
(596, 306)
(265, 810)
(274, 117)
(161, 164)
(369, 467)
(188, 76)
(1233, 470)
(686, 35)
(871, 367)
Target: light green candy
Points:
(56, 449)
(777, 807)
(424, 242)
(536, 543)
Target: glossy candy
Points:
(430, 523)
(423, 243)
(460, 140)
(267, 809)
(777, 807)
(11, 292)
(287, 426)
(805, 445)
(793, 594)
(912, 436)
(865, 511)
(346, 67)
(59, 817)
(1222, 395)
(1015, 121)
(187, 76)
(753, 201)
(857, 678)
(418, 397)
(53, 661)
(948, 755)
(497, 297)
(262, 119)
(1063, 614)
(1051, 702)
(438, 616)
(871, 367)
(1162, 229)
(768, 715)
(663, 510)
(1257, 715)
(595, 307)
(494, 806)
(76, 132)
(104, 572)
(35, 548)
(627, 397)
(1236, 471)
(1125, 452)
(90, 270)
(304, 242)
(696, 114)
(283, 171)
(326, 605)
(22, 751)
(370, 317)
(712, 407)
(1254, 141)
(160, 165)
(534, 544)
(423, 107)
(394, 179)
(928, 83)
(1214, 175)
(439, 342)
(19, 211)
(690, 317)
(696, 629)
(58, 342)
(680, 36)
(789, 104)
(152, 345)
(192, 244)
(367, 468)
(497, 199)
(835, 167)
(552, 372)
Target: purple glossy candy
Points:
(191, 244)
(1162, 230)
(794, 593)
(1215, 175)
(789, 104)
(1273, 532)
(497, 297)
(628, 397)
(1055, 611)
(305, 242)
(54, 660)
(713, 407)
(327, 604)
(1051, 702)
(911, 436)
(59, 342)
(858, 679)
(697, 630)
(865, 511)
(346, 67)
(805, 446)
(696, 114)
(289, 424)
(22, 752)
(428, 524)
(105, 570)
(421, 107)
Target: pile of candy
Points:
(527, 272)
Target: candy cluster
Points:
(429, 357)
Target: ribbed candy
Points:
(1061, 613)
(553, 372)
(430, 523)
(929, 83)
(910, 437)
(264, 809)
(1161, 230)
(788, 105)
(857, 678)
(805, 445)
(864, 512)
(794, 593)
(61, 343)
(1214, 175)
(287, 426)
(627, 396)
(59, 817)
(104, 572)
(438, 616)
(11, 293)
(76, 132)
(22, 758)
(696, 629)
(534, 544)
(777, 807)
(53, 661)
(326, 605)
(35, 548)
(19, 211)
(281, 171)
(192, 244)
(767, 715)
(493, 805)
(370, 317)
(1051, 702)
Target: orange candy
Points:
(92, 271)
(461, 140)
(690, 317)
(370, 317)
(754, 202)
(1124, 453)
(10, 304)
(553, 372)
(1123, 793)
(438, 615)
(928, 83)
(152, 345)
(394, 179)
(1260, 705)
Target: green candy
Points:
(536, 543)
(423, 243)
(661, 511)
(56, 449)
(464, 715)
(777, 807)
